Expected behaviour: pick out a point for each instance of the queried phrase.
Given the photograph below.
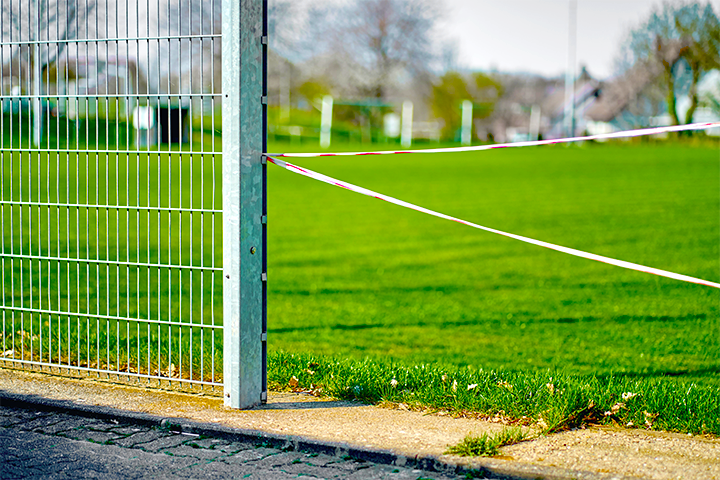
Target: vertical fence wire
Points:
(110, 209)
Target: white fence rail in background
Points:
(110, 194)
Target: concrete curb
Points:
(472, 468)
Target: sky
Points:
(532, 35)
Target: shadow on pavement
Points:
(309, 405)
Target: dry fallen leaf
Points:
(542, 423)
(650, 418)
(615, 409)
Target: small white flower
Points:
(454, 386)
(473, 386)
(393, 382)
(628, 395)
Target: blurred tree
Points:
(388, 38)
(714, 104)
(683, 37)
(453, 88)
(298, 29)
(487, 91)
(314, 90)
(383, 49)
(447, 96)
(449, 53)
(282, 35)
(701, 26)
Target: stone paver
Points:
(58, 445)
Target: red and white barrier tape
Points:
(570, 251)
(602, 136)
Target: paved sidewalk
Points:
(47, 444)
(396, 439)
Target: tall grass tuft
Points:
(487, 444)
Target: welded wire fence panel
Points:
(110, 201)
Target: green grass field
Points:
(374, 302)
(371, 301)
(351, 276)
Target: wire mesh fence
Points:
(110, 191)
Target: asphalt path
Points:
(56, 444)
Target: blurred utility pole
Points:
(407, 124)
(571, 70)
(535, 119)
(467, 117)
(326, 121)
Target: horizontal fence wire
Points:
(110, 188)
(117, 39)
(110, 95)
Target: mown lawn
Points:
(371, 301)
(351, 276)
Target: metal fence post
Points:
(37, 112)
(244, 47)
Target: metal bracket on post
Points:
(244, 65)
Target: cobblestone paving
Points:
(58, 445)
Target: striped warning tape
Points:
(571, 251)
(602, 136)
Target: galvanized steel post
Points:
(244, 64)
